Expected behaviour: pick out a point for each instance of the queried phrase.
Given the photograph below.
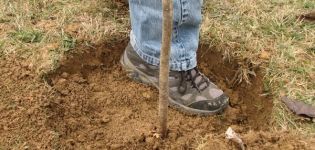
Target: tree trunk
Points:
(164, 64)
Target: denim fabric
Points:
(146, 34)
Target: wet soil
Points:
(90, 103)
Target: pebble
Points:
(81, 138)
(146, 95)
(65, 75)
(115, 146)
(105, 120)
(26, 147)
(61, 81)
(64, 91)
(5, 128)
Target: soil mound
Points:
(97, 101)
(89, 103)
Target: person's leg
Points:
(146, 34)
(190, 90)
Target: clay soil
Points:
(90, 103)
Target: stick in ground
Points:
(164, 64)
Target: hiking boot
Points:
(190, 91)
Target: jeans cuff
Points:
(188, 64)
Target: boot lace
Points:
(198, 80)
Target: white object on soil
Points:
(230, 134)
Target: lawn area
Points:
(35, 28)
(268, 33)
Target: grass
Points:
(246, 28)
(68, 43)
(43, 31)
(1, 49)
(27, 36)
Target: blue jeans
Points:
(146, 34)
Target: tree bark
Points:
(164, 64)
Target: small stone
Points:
(81, 138)
(5, 128)
(64, 92)
(65, 75)
(105, 120)
(115, 146)
(146, 95)
(157, 135)
(61, 81)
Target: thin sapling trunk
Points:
(164, 64)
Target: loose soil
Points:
(90, 103)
